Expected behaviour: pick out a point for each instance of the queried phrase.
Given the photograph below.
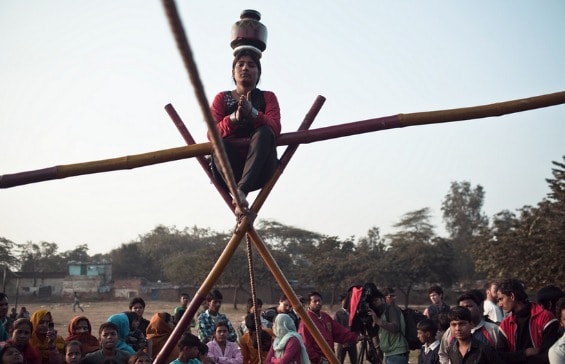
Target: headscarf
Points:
(89, 342)
(41, 343)
(121, 320)
(284, 330)
(158, 333)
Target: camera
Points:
(360, 301)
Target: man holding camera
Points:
(392, 341)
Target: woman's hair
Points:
(254, 56)
(138, 355)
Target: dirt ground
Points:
(98, 312)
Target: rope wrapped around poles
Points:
(188, 60)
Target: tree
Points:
(78, 254)
(413, 257)
(529, 246)
(7, 258)
(465, 222)
(368, 258)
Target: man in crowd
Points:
(5, 320)
(283, 307)
(490, 305)
(529, 330)
(330, 329)
(482, 331)
(208, 319)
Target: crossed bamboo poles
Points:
(303, 135)
(245, 224)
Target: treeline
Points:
(528, 244)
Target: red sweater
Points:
(330, 329)
(291, 353)
(271, 116)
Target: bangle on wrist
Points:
(233, 117)
(253, 113)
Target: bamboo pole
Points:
(203, 291)
(263, 194)
(300, 137)
(201, 159)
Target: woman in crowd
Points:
(80, 330)
(288, 346)
(158, 332)
(44, 337)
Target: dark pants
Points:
(253, 170)
(347, 349)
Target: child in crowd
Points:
(21, 332)
(11, 355)
(427, 331)
(248, 342)
(121, 320)
(109, 350)
(80, 330)
(140, 358)
(466, 349)
(135, 338)
(188, 346)
(73, 352)
(222, 350)
(203, 354)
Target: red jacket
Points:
(330, 329)
(539, 320)
(271, 117)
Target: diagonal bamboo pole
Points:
(203, 291)
(186, 54)
(201, 159)
(310, 136)
(275, 270)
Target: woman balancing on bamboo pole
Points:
(247, 112)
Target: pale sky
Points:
(88, 80)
